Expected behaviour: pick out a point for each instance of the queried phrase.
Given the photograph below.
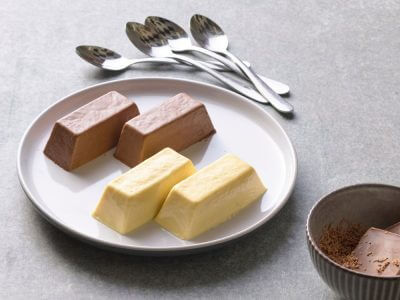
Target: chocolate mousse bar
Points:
(394, 228)
(177, 123)
(89, 131)
(378, 253)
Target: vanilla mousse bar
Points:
(378, 253)
(177, 123)
(89, 131)
(210, 197)
(135, 197)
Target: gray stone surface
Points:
(341, 59)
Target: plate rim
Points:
(155, 250)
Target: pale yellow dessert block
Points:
(210, 197)
(136, 196)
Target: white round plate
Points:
(67, 199)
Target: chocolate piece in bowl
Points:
(394, 228)
(178, 123)
(89, 131)
(378, 253)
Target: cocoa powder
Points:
(338, 242)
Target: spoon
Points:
(110, 60)
(210, 36)
(153, 44)
(179, 41)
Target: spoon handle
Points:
(164, 60)
(230, 64)
(278, 87)
(250, 93)
(276, 101)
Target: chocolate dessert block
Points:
(89, 131)
(394, 228)
(378, 253)
(177, 123)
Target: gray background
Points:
(341, 59)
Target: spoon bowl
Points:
(208, 34)
(103, 58)
(173, 33)
(148, 41)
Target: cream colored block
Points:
(210, 197)
(136, 196)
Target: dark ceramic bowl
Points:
(370, 205)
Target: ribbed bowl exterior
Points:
(350, 285)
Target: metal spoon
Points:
(110, 60)
(180, 42)
(209, 35)
(151, 43)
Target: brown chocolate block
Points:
(378, 253)
(177, 123)
(394, 228)
(89, 131)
